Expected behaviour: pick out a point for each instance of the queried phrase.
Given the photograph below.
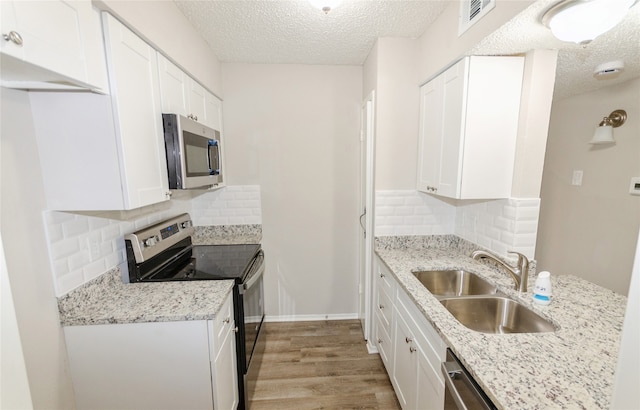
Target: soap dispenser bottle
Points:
(542, 289)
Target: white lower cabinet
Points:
(223, 358)
(409, 346)
(159, 365)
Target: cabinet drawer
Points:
(223, 323)
(384, 277)
(383, 342)
(384, 308)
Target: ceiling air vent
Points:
(471, 11)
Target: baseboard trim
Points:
(310, 318)
(371, 348)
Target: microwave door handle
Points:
(214, 168)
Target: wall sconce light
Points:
(581, 21)
(604, 132)
(325, 5)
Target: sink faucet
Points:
(519, 273)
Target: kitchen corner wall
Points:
(498, 225)
(84, 246)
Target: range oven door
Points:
(251, 298)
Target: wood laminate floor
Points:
(320, 365)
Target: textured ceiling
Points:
(293, 32)
(576, 64)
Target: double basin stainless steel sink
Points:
(476, 303)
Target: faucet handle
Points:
(523, 261)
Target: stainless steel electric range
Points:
(165, 252)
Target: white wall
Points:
(14, 384)
(440, 45)
(294, 130)
(25, 249)
(397, 114)
(591, 230)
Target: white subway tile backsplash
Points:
(82, 247)
(233, 205)
(409, 212)
(499, 225)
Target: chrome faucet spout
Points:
(519, 273)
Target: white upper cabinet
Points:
(51, 45)
(183, 95)
(468, 128)
(133, 76)
(213, 111)
(106, 152)
(173, 87)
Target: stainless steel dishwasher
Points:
(461, 391)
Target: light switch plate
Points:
(577, 178)
(634, 187)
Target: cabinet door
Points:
(133, 78)
(404, 363)
(225, 391)
(430, 390)
(173, 87)
(429, 142)
(196, 100)
(56, 36)
(213, 111)
(453, 109)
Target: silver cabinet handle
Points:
(227, 320)
(408, 339)
(235, 329)
(14, 37)
(381, 307)
(412, 349)
(379, 341)
(382, 275)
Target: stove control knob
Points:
(185, 224)
(150, 241)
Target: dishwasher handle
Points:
(451, 370)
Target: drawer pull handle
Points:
(412, 349)
(227, 320)
(14, 37)
(408, 339)
(382, 275)
(379, 341)
(381, 307)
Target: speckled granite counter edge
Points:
(227, 234)
(107, 300)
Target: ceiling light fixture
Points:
(604, 132)
(581, 21)
(325, 5)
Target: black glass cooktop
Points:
(218, 262)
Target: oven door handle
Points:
(256, 276)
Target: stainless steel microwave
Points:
(193, 153)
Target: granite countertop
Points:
(106, 299)
(572, 367)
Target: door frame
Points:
(366, 204)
